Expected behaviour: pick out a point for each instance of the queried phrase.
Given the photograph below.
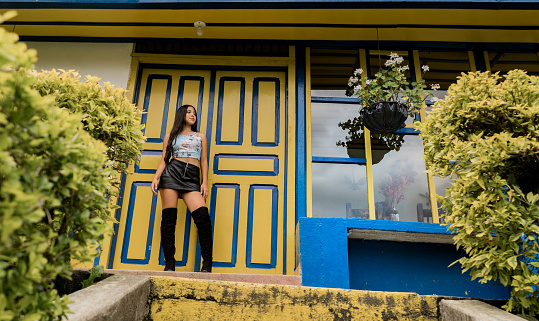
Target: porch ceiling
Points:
(350, 24)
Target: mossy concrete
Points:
(184, 299)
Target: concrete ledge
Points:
(414, 237)
(473, 310)
(231, 277)
(184, 299)
(118, 298)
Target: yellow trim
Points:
(423, 114)
(291, 249)
(487, 60)
(284, 33)
(368, 153)
(412, 16)
(471, 58)
(309, 131)
(213, 60)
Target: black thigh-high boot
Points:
(205, 237)
(168, 239)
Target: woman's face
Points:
(191, 116)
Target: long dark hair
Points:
(179, 123)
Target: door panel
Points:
(246, 156)
(244, 120)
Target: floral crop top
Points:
(187, 146)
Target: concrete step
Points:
(230, 277)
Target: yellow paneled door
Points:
(244, 115)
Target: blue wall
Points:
(330, 259)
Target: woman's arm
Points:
(204, 165)
(161, 166)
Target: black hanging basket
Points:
(384, 117)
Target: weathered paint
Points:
(185, 299)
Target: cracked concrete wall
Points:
(185, 299)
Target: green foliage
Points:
(52, 191)
(390, 84)
(106, 112)
(485, 135)
(95, 272)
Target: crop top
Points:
(187, 146)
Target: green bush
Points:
(485, 135)
(106, 112)
(53, 186)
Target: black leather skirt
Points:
(181, 176)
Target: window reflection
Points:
(400, 182)
(326, 132)
(339, 190)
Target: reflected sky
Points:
(339, 190)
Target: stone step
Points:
(230, 277)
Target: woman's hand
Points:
(204, 190)
(155, 185)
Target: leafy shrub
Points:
(53, 185)
(485, 135)
(107, 113)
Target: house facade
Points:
(292, 191)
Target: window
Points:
(349, 172)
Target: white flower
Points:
(434, 99)
(352, 81)
(368, 81)
(406, 67)
(390, 62)
(394, 55)
(357, 88)
(425, 68)
(358, 71)
(435, 86)
(399, 60)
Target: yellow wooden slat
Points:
(140, 223)
(265, 125)
(261, 232)
(246, 164)
(230, 121)
(368, 152)
(156, 106)
(224, 225)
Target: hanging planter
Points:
(384, 117)
(388, 97)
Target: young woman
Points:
(184, 157)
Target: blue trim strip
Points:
(165, 108)
(339, 160)
(335, 100)
(186, 236)
(246, 173)
(301, 135)
(213, 201)
(254, 123)
(408, 131)
(127, 234)
(218, 140)
(147, 153)
(200, 103)
(274, 217)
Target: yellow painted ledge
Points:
(187, 299)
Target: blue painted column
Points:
(301, 135)
(324, 252)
